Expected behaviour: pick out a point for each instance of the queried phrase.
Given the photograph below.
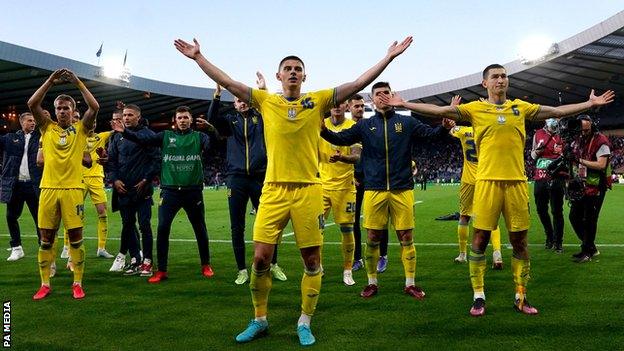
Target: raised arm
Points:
(213, 116)
(430, 110)
(344, 91)
(191, 51)
(146, 139)
(34, 103)
(88, 120)
(573, 109)
(346, 137)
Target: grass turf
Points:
(580, 305)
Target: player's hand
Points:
(102, 156)
(356, 183)
(394, 100)
(539, 149)
(117, 125)
(335, 157)
(120, 187)
(86, 160)
(140, 186)
(203, 124)
(189, 50)
(57, 76)
(456, 100)
(260, 82)
(448, 123)
(70, 77)
(218, 91)
(603, 99)
(397, 49)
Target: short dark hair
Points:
(24, 115)
(118, 111)
(290, 57)
(133, 107)
(380, 85)
(355, 97)
(488, 68)
(181, 109)
(65, 97)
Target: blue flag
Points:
(99, 52)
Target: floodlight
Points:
(537, 49)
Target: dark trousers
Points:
(357, 231)
(550, 192)
(241, 189)
(172, 200)
(22, 192)
(131, 210)
(584, 218)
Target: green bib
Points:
(181, 162)
(542, 163)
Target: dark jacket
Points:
(12, 147)
(131, 162)
(246, 152)
(156, 140)
(386, 148)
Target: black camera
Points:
(569, 128)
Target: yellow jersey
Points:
(292, 134)
(337, 175)
(499, 136)
(62, 154)
(94, 141)
(469, 151)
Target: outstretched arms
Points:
(425, 109)
(573, 109)
(193, 52)
(344, 91)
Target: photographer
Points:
(549, 188)
(592, 151)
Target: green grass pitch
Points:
(581, 306)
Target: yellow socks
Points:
(45, 257)
(77, 255)
(102, 231)
(310, 289)
(408, 257)
(371, 257)
(495, 238)
(477, 263)
(260, 285)
(462, 236)
(348, 245)
(520, 269)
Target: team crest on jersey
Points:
(172, 142)
(63, 138)
(398, 127)
(292, 113)
(501, 119)
(254, 119)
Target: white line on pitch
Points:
(326, 242)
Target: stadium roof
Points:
(23, 70)
(591, 59)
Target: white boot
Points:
(16, 253)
